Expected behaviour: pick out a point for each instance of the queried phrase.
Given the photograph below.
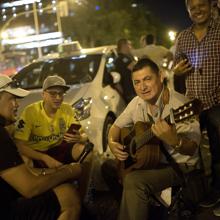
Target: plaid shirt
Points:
(203, 81)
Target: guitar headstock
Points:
(188, 110)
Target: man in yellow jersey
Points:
(43, 126)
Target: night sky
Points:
(171, 12)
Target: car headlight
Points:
(82, 108)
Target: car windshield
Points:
(75, 70)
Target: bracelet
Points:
(179, 145)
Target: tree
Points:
(100, 22)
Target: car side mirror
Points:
(116, 77)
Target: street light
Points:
(172, 35)
(36, 24)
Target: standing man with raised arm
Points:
(198, 57)
(23, 194)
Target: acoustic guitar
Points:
(141, 144)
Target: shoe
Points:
(216, 210)
(212, 200)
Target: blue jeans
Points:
(210, 119)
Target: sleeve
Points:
(190, 130)
(24, 125)
(178, 52)
(9, 155)
(125, 119)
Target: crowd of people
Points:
(40, 159)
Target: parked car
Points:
(89, 72)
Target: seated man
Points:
(152, 105)
(24, 195)
(43, 126)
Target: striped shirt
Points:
(203, 81)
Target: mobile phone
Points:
(73, 127)
(183, 56)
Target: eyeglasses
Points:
(54, 94)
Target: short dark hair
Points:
(120, 43)
(187, 1)
(146, 62)
(149, 39)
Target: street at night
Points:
(109, 109)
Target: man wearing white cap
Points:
(43, 126)
(23, 194)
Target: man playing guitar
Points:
(152, 105)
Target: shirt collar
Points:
(212, 24)
(159, 104)
(159, 107)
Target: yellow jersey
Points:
(41, 131)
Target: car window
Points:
(28, 77)
(75, 70)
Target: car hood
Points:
(76, 92)
(73, 94)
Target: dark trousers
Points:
(210, 119)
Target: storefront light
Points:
(18, 3)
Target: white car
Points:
(89, 72)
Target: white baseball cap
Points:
(10, 86)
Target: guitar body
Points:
(141, 144)
(140, 157)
